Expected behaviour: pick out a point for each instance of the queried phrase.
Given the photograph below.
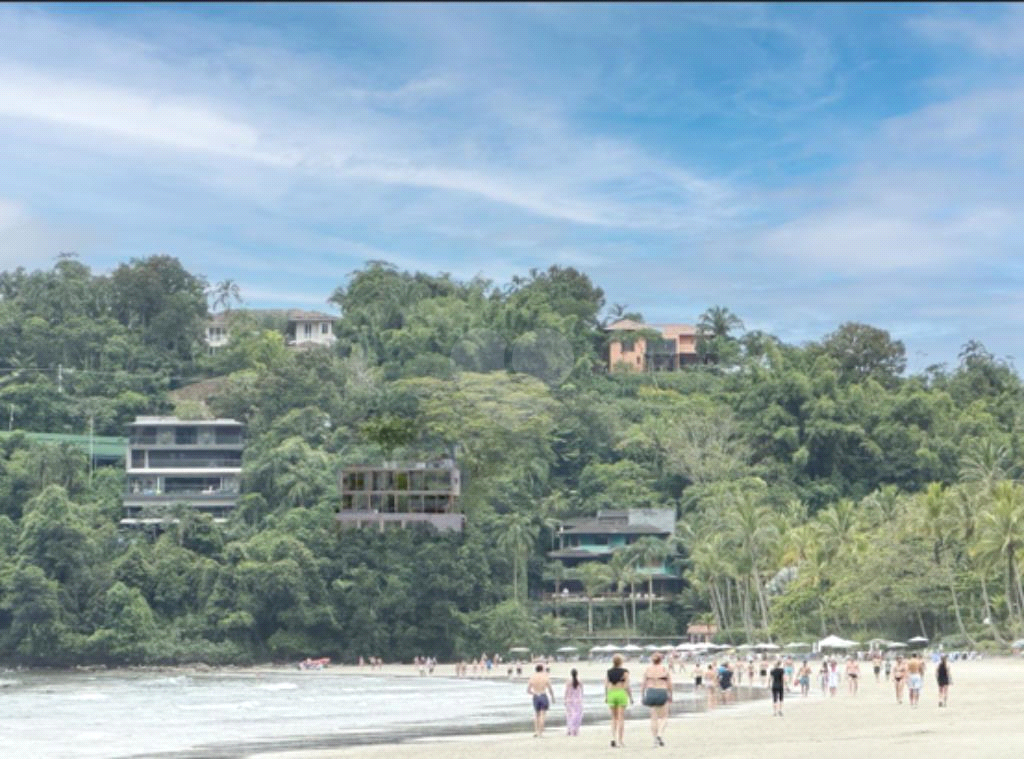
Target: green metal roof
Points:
(108, 448)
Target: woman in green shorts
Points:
(617, 694)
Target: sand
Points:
(983, 720)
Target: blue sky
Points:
(804, 165)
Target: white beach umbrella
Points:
(519, 650)
(744, 647)
(666, 648)
(567, 649)
(834, 641)
(797, 644)
(596, 649)
(632, 648)
(918, 639)
(766, 647)
(651, 647)
(895, 644)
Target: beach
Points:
(982, 720)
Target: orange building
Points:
(633, 352)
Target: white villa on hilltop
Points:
(304, 329)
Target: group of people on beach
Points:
(781, 676)
(655, 693)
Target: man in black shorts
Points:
(778, 680)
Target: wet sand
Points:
(983, 720)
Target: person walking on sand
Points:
(777, 676)
(540, 688)
(711, 683)
(573, 701)
(915, 678)
(656, 693)
(805, 679)
(725, 681)
(833, 678)
(944, 680)
(617, 694)
(876, 665)
(899, 674)
(852, 674)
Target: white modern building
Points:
(309, 328)
(303, 329)
(175, 461)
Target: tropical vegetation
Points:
(818, 487)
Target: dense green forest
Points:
(818, 487)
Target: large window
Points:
(194, 459)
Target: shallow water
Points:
(115, 715)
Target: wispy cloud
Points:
(995, 30)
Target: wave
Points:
(279, 686)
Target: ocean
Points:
(228, 715)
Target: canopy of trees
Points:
(817, 487)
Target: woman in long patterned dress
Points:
(573, 704)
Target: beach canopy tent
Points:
(834, 641)
(567, 650)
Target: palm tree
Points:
(718, 321)
(223, 294)
(937, 523)
(519, 533)
(986, 464)
(752, 526)
(650, 553)
(621, 570)
(557, 572)
(595, 577)
(1001, 533)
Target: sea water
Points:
(110, 715)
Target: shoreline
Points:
(981, 721)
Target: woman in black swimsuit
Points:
(657, 694)
(942, 675)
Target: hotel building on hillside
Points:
(631, 352)
(175, 461)
(598, 538)
(401, 495)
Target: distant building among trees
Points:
(401, 494)
(173, 461)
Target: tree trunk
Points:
(632, 599)
(956, 606)
(988, 611)
(590, 615)
(761, 600)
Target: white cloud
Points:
(28, 241)
(1002, 36)
(119, 112)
